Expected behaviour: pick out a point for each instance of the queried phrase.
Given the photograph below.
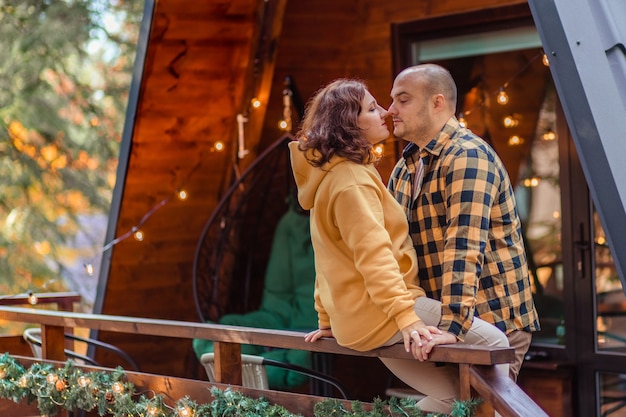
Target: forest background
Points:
(65, 74)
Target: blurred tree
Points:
(65, 72)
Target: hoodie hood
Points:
(308, 177)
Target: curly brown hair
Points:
(330, 126)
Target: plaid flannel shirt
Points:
(466, 231)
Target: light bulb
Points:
(255, 102)
(549, 135)
(139, 236)
(32, 298)
(503, 97)
(283, 125)
(545, 60)
(462, 121)
(182, 195)
(531, 182)
(515, 140)
(510, 121)
(218, 146)
(89, 269)
(379, 149)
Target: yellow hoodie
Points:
(365, 263)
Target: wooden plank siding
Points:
(199, 74)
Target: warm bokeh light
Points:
(502, 98)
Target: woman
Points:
(365, 291)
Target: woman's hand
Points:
(416, 336)
(318, 334)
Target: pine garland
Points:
(71, 388)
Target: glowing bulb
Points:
(182, 195)
(462, 121)
(89, 269)
(556, 214)
(139, 236)
(152, 410)
(549, 135)
(23, 381)
(515, 140)
(379, 149)
(601, 240)
(255, 102)
(545, 60)
(503, 97)
(531, 182)
(510, 121)
(218, 146)
(32, 298)
(52, 378)
(282, 124)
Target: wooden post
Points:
(53, 342)
(53, 348)
(228, 363)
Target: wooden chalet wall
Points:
(199, 74)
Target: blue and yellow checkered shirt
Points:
(466, 231)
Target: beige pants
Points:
(440, 384)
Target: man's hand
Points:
(443, 338)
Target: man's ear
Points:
(439, 102)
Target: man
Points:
(461, 209)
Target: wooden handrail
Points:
(508, 398)
(481, 355)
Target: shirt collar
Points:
(436, 145)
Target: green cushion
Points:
(287, 301)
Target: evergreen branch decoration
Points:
(109, 393)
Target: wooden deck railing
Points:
(476, 363)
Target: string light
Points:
(531, 182)
(32, 298)
(283, 125)
(138, 235)
(502, 97)
(182, 195)
(218, 146)
(515, 140)
(378, 149)
(510, 121)
(462, 121)
(545, 61)
(255, 103)
(548, 135)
